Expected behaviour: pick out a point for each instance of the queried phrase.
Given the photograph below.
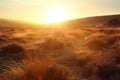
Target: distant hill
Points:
(81, 22)
(14, 23)
(91, 21)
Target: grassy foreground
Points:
(59, 53)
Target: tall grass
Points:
(101, 58)
(36, 67)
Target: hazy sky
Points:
(35, 10)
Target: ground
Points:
(90, 53)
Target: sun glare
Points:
(56, 15)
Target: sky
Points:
(35, 10)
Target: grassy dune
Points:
(59, 53)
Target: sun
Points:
(56, 15)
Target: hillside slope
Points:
(15, 23)
(81, 22)
(53, 53)
(91, 21)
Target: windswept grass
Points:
(67, 54)
(100, 57)
(36, 67)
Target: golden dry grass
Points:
(67, 54)
(36, 67)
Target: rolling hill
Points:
(83, 52)
(91, 21)
(81, 22)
